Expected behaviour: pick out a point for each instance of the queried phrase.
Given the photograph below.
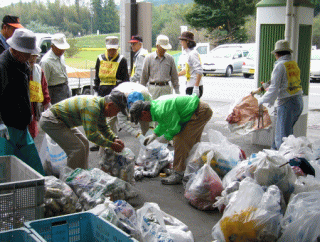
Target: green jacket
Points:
(171, 112)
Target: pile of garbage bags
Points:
(147, 224)
(272, 195)
(93, 186)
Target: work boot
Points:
(174, 179)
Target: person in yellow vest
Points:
(139, 56)
(111, 68)
(285, 85)
(39, 94)
(193, 69)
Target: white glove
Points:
(259, 102)
(95, 94)
(162, 139)
(177, 91)
(149, 139)
(196, 90)
(4, 133)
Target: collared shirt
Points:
(279, 83)
(87, 111)
(54, 68)
(159, 70)
(194, 62)
(138, 64)
(3, 44)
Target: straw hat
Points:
(282, 45)
(60, 41)
(24, 40)
(163, 41)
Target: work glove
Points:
(177, 91)
(4, 133)
(149, 139)
(196, 90)
(162, 139)
(46, 106)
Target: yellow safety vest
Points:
(35, 86)
(188, 74)
(108, 70)
(293, 75)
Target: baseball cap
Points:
(60, 41)
(135, 39)
(120, 100)
(163, 41)
(12, 21)
(112, 42)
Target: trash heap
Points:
(272, 195)
(147, 224)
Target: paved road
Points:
(220, 93)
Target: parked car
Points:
(202, 48)
(248, 66)
(315, 65)
(224, 60)
(44, 42)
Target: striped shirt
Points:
(87, 111)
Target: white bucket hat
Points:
(282, 45)
(60, 41)
(112, 42)
(163, 41)
(24, 40)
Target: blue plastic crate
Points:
(18, 235)
(83, 226)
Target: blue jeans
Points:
(22, 146)
(287, 116)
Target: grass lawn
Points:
(86, 59)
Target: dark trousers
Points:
(189, 91)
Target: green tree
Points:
(112, 20)
(98, 18)
(226, 17)
(38, 27)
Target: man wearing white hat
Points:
(285, 85)
(55, 70)
(159, 69)
(15, 108)
(111, 68)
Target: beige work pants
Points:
(157, 91)
(72, 141)
(190, 135)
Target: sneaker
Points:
(174, 179)
(94, 148)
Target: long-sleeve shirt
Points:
(122, 72)
(3, 44)
(159, 70)
(194, 64)
(87, 111)
(15, 107)
(279, 83)
(138, 64)
(54, 69)
(171, 112)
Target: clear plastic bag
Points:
(120, 165)
(252, 215)
(301, 220)
(59, 198)
(226, 155)
(156, 225)
(203, 187)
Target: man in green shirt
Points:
(180, 118)
(61, 120)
